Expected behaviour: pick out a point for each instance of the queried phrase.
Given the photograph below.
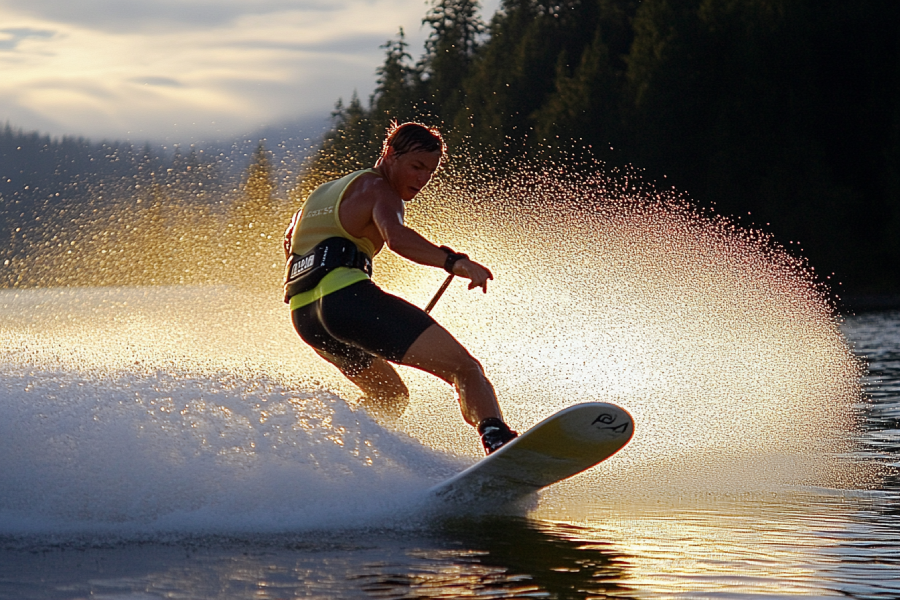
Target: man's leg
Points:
(439, 353)
(381, 385)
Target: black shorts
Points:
(359, 322)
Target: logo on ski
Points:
(609, 419)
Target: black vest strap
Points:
(303, 273)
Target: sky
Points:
(179, 71)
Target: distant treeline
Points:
(77, 213)
(788, 110)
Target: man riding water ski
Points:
(351, 322)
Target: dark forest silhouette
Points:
(782, 113)
(788, 110)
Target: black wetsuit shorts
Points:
(359, 322)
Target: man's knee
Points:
(469, 368)
(350, 366)
(382, 380)
(389, 385)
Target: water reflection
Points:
(806, 543)
(492, 557)
(876, 337)
(503, 557)
(811, 543)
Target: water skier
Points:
(346, 318)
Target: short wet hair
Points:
(413, 137)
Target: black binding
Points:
(303, 273)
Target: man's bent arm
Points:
(387, 214)
(410, 244)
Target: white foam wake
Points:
(157, 452)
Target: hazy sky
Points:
(191, 70)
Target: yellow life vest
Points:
(320, 220)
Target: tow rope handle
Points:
(439, 293)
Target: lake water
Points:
(157, 444)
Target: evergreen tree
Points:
(255, 224)
(495, 83)
(513, 74)
(584, 107)
(398, 89)
(350, 145)
(255, 215)
(449, 52)
(259, 186)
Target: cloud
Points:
(162, 69)
(350, 44)
(10, 38)
(159, 81)
(132, 16)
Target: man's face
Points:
(410, 172)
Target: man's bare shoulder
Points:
(371, 187)
(366, 202)
(371, 197)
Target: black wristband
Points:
(451, 259)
